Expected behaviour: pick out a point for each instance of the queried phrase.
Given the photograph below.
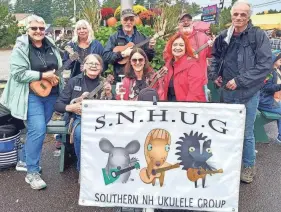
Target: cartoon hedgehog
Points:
(156, 148)
(194, 155)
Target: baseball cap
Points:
(127, 13)
(184, 15)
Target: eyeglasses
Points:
(135, 60)
(243, 15)
(36, 28)
(92, 64)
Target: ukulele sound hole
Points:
(42, 86)
(114, 174)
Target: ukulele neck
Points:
(125, 170)
(167, 168)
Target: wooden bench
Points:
(58, 127)
(262, 119)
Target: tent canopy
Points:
(267, 21)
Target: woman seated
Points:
(270, 97)
(184, 81)
(138, 75)
(83, 43)
(84, 82)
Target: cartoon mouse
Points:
(119, 157)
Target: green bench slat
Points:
(270, 115)
(56, 123)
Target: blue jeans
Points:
(278, 111)
(249, 153)
(39, 113)
(77, 140)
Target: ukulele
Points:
(43, 87)
(114, 174)
(155, 173)
(195, 174)
(158, 74)
(131, 44)
(93, 94)
(204, 46)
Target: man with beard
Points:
(197, 39)
(125, 34)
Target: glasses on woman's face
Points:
(36, 28)
(93, 64)
(135, 60)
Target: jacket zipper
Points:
(41, 58)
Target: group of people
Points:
(240, 68)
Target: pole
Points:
(74, 10)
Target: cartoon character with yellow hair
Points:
(156, 149)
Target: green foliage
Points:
(111, 3)
(103, 34)
(62, 22)
(24, 6)
(224, 20)
(8, 27)
(43, 8)
(269, 12)
(91, 13)
(65, 8)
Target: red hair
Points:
(188, 47)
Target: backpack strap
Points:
(252, 38)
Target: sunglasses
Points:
(135, 60)
(131, 19)
(36, 28)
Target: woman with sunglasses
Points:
(84, 43)
(76, 86)
(138, 75)
(184, 81)
(34, 57)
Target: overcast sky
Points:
(271, 4)
(257, 4)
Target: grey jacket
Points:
(254, 62)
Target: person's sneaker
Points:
(35, 181)
(248, 174)
(21, 167)
(278, 140)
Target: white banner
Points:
(170, 155)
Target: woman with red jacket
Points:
(137, 75)
(185, 80)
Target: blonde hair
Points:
(34, 18)
(80, 23)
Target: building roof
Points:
(21, 16)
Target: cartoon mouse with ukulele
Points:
(156, 149)
(194, 151)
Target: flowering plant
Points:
(107, 12)
(146, 15)
(136, 8)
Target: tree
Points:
(91, 12)
(24, 6)
(111, 3)
(43, 8)
(140, 2)
(62, 22)
(8, 27)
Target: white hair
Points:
(88, 26)
(242, 2)
(34, 18)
